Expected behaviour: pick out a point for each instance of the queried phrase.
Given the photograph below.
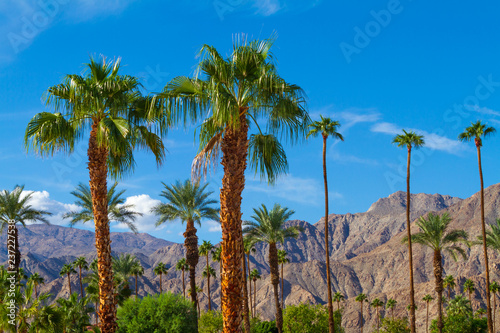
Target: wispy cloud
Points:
(346, 158)
(267, 7)
(41, 200)
(347, 117)
(214, 226)
(483, 110)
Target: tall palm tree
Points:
(469, 287)
(377, 303)
(204, 250)
(234, 91)
(37, 280)
(282, 259)
(138, 270)
(248, 246)
(326, 127)
(254, 276)
(494, 288)
(478, 131)
(160, 269)
(190, 203)
(427, 299)
(123, 266)
(391, 304)
(269, 227)
(338, 297)
(81, 263)
(182, 266)
(14, 209)
(118, 211)
(112, 107)
(217, 257)
(449, 282)
(361, 298)
(67, 270)
(409, 140)
(207, 273)
(434, 234)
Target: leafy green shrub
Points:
(210, 322)
(264, 327)
(396, 325)
(306, 318)
(159, 313)
(462, 324)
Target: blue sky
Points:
(375, 66)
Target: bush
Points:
(396, 325)
(462, 324)
(160, 313)
(306, 318)
(264, 327)
(210, 322)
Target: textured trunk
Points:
(81, 284)
(331, 320)
(470, 298)
(378, 320)
(98, 188)
(485, 249)
(161, 289)
(183, 284)
(192, 257)
(361, 314)
(410, 252)
(246, 310)
(392, 313)
(255, 297)
(136, 292)
(234, 149)
(17, 252)
(208, 286)
(36, 290)
(427, 319)
(69, 284)
(438, 276)
(249, 285)
(282, 288)
(275, 280)
(493, 310)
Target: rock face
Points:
(366, 256)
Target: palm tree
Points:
(234, 91)
(361, 298)
(492, 237)
(182, 266)
(81, 263)
(207, 273)
(376, 303)
(469, 287)
(123, 267)
(326, 127)
(269, 227)
(138, 270)
(254, 276)
(434, 234)
(248, 247)
(118, 211)
(198, 291)
(459, 306)
(190, 203)
(282, 259)
(112, 107)
(477, 131)
(37, 280)
(391, 304)
(449, 282)
(204, 250)
(14, 209)
(338, 297)
(409, 140)
(160, 269)
(427, 299)
(67, 270)
(494, 288)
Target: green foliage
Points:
(263, 327)
(159, 313)
(462, 324)
(306, 318)
(75, 313)
(396, 325)
(210, 322)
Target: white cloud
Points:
(386, 128)
(143, 204)
(41, 200)
(353, 116)
(214, 226)
(345, 158)
(267, 7)
(482, 110)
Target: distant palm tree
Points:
(361, 298)
(376, 303)
(338, 297)
(67, 270)
(477, 131)
(190, 203)
(204, 250)
(269, 227)
(427, 299)
(469, 287)
(248, 247)
(207, 273)
(494, 288)
(459, 306)
(182, 266)
(123, 266)
(254, 276)
(481, 312)
(391, 304)
(326, 127)
(198, 291)
(409, 140)
(449, 282)
(217, 257)
(14, 209)
(37, 280)
(81, 263)
(160, 269)
(118, 211)
(434, 234)
(282, 259)
(137, 270)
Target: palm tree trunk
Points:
(378, 320)
(246, 311)
(282, 289)
(361, 314)
(392, 313)
(17, 252)
(192, 257)
(249, 283)
(255, 297)
(183, 284)
(69, 284)
(161, 289)
(208, 286)
(98, 188)
(275, 280)
(494, 309)
(470, 298)
(36, 290)
(331, 320)
(410, 252)
(438, 276)
(449, 293)
(234, 149)
(136, 286)
(81, 284)
(485, 249)
(427, 319)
